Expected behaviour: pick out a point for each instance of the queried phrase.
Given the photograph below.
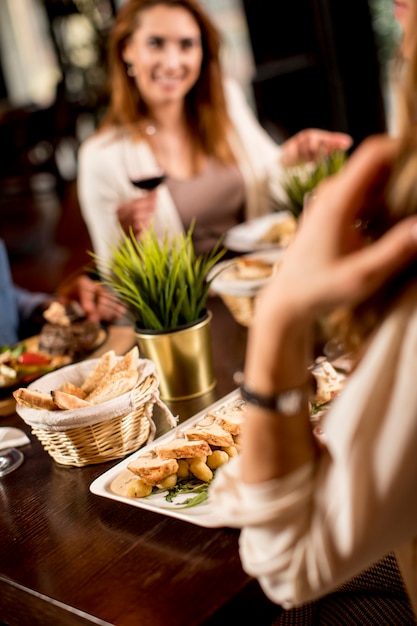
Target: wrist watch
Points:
(287, 403)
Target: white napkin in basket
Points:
(12, 437)
(75, 418)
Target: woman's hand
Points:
(137, 214)
(330, 262)
(311, 144)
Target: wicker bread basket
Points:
(241, 307)
(239, 293)
(105, 432)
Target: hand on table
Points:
(96, 301)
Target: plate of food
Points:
(172, 475)
(246, 273)
(269, 231)
(62, 341)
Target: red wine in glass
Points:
(148, 183)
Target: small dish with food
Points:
(245, 274)
(238, 281)
(275, 230)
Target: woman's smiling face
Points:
(166, 54)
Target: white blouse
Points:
(108, 160)
(304, 534)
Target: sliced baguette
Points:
(152, 469)
(180, 448)
(251, 269)
(72, 389)
(113, 385)
(35, 399)
(102, 368)
(129, 361)
(68, 401)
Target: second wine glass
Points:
(10, 459)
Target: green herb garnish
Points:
(15, 351)
(184, 487)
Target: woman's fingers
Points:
(391, 253)
(362, 273)
(312, 143)
(330, 261)
(137, 213)
(363, 179)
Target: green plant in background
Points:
(387, 32)
(302, 179)
(163, 284)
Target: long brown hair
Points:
(400, 201)
(205, 104)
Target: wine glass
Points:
(10, 459)
(149, 182)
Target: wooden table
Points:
(70, 557)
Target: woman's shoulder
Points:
(106, 139)
(233, 90)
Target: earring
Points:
(130, 70)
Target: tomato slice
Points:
(33, 358)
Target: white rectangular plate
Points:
(202, 515)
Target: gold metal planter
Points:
(183, 359)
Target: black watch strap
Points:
(288, 402)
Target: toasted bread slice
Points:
(67, 401)
(152, 469)
(252, 269)
(113, 385)
(35, 399)
(128, 362)
(280, 232)
(72, 389)
(209, 431)
(102, 368)
(180, 448)
(329, 383)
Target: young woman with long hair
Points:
(172, 111)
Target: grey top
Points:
(215, 198)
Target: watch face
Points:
(290, 402)
(287, 403)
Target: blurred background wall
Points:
(320, 63)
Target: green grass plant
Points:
(302, 179)
(163, 284)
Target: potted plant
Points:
(164, 287)
(302, 179)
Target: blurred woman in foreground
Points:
(313, 518)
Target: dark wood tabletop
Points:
(68, 556)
